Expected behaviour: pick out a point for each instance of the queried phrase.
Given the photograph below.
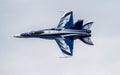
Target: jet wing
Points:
(66, 21)
(66, 45)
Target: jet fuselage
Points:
(64, 34)
(55, 33)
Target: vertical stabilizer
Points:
(78, 25)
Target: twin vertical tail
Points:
(87, 40)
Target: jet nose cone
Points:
(17, 36)
(23, 35)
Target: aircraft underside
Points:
(65, 33)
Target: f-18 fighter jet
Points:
(64, 34)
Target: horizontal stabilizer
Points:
(87, 40)
(87, 25)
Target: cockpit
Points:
(55, 29)
(36, 32)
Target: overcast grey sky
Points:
(41, 57)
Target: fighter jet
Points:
(64, 34)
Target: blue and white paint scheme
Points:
(65, 33)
